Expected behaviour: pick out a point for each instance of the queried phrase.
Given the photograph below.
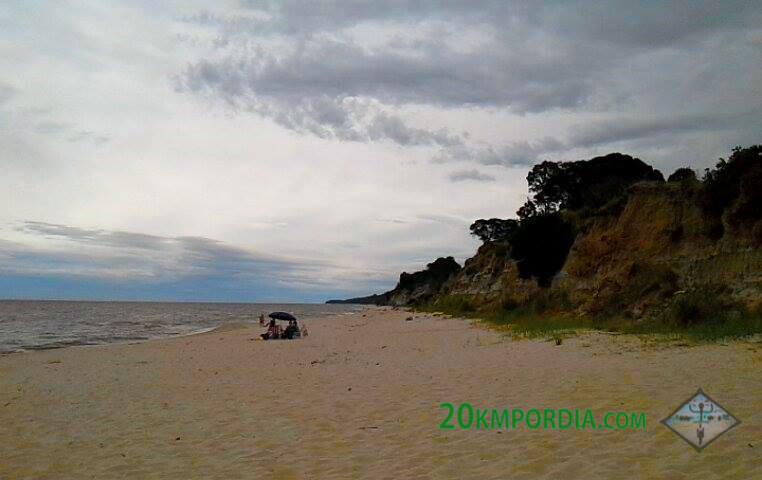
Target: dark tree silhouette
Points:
(734, 186)
(540, 246)
(584, 185)
(529, 209)
(551, 185)
(494, 229)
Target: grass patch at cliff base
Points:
(698, 315)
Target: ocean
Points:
(42, 324)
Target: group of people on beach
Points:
(275, 332)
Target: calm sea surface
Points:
(30, 325)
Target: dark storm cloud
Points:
(473, 174)
(310, 67)
(621, 21)
(429, 72)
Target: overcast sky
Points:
(298, 151)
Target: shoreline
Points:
(502, 329)
(359, 398)
(119, 343)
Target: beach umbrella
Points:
(282, 316)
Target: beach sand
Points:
(359, 398)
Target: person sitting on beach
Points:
(289, 333)
(272, 331)
(261, 319)
(295, 332)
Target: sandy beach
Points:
(359, 398)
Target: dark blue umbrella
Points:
(282, 316)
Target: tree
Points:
(734, 186)
(549, 183)
(584, 185)
(540, 246)
(529, 209)
(494, 229)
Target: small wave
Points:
(229, 327)
(59, 344)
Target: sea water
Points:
(40, 324)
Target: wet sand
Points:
(359, 398)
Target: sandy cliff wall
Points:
(661, 244)
(662, 237)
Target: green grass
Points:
(456, 305)
(521, 323)
(697, 316)
(737, 325)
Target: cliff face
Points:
(492, 277)
(660, 245)
(417, 295)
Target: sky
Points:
(300, 151)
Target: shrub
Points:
(682, 174)
(454, 304)
(508, 304)
(705, 305)
(735, 183)
(646, 280)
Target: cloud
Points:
(95, 237)
(305, 99)
(118, 253)
(6, 93)
(143, 259)
(516, 154)
(346, 71)
(338, 87)
(39, 122)
(636, 128)
(88, 136)
(473, 174)
(385, 126)
(313, 74)
(620, 22)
